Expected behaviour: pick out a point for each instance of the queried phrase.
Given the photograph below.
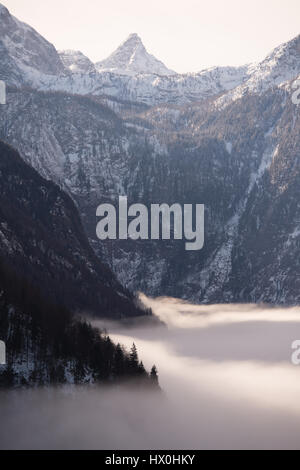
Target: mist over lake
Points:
(227, 381)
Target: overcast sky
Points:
(187, 35)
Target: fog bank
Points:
(225, 371)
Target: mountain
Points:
(47, 345)
(76, 61)
(42, 238)
(228, 160)
(148, 89)
(130, 74)
(280, 66)
(226, 137)
(48, 273)
(132, 58)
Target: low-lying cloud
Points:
(225, 371)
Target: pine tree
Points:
(119, 362)
(142, 370)
(154, 374)
(134, 359)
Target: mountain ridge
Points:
(130, 73)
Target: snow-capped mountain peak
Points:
(132, 58)
(279, 67)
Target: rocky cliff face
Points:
(76, 62)
(24, 53)
(42, 239)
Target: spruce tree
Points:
(134, 359)
(154, 374)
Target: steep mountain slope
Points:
(129, 74)
(48, 272)
(257, 257)
(24, 53)
(132, 58)
(42, 239)
(219, 159)
(97, 156)
(46, 344)
(265, 260)
(76, 61)
(279, 67)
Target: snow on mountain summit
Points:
(279, 67)
(132, 58)
(3, 10)
(76, 61)
(23, 51)
(131, 73)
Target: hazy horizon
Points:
(203, 35)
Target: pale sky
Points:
(187, 35)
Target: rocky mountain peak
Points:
(132, 58)
(134, 37)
